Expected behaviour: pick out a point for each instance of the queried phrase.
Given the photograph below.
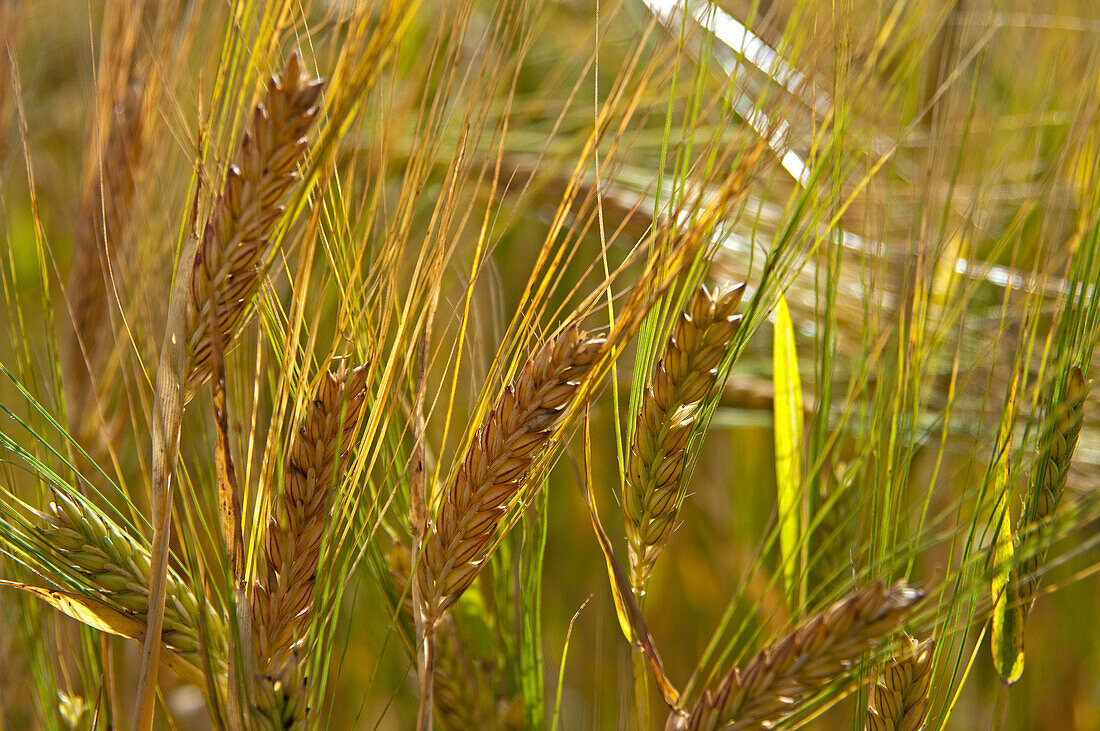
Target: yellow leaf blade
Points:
(104, 618)
(1006, 639)
(1007, 636)
(788, 440)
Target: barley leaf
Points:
(104, 618)
(92, 612)
(1007, 638)
(788, 438)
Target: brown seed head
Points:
(314, 468)
(495, 467)
(228, 261)
(111, 163)
(782, 674)
(683, 377)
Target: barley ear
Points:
(672, 403)
(1048, 476)
(1056, 447)
(783, 674)
(282, 602)
(495, 467)
(229, 259)
(110, 168)
(217, 277)
(116, 568)
(112, 159)
(899, 701)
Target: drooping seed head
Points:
(781, 675)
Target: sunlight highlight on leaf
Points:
(788, 443)
(1007, 636)
(99, 616)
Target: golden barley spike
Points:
(495, 467)
(781, 675)
(228, 261)
(282, 602)
(684, 376)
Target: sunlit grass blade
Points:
(100, 616)
(788, 452)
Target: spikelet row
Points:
(1048, 476)
(684, 375)
(228, 262)
(899, 701)
(496, 464)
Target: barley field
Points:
(549, 364)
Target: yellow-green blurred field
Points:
(909, 190)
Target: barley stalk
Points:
(282, 602)
(899, 701)
(457, 697)
(783, 674)
(228, 262)
(683, 377)
(117, 567)
(1048, 477)
(494, 469)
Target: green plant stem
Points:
(641, 687)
